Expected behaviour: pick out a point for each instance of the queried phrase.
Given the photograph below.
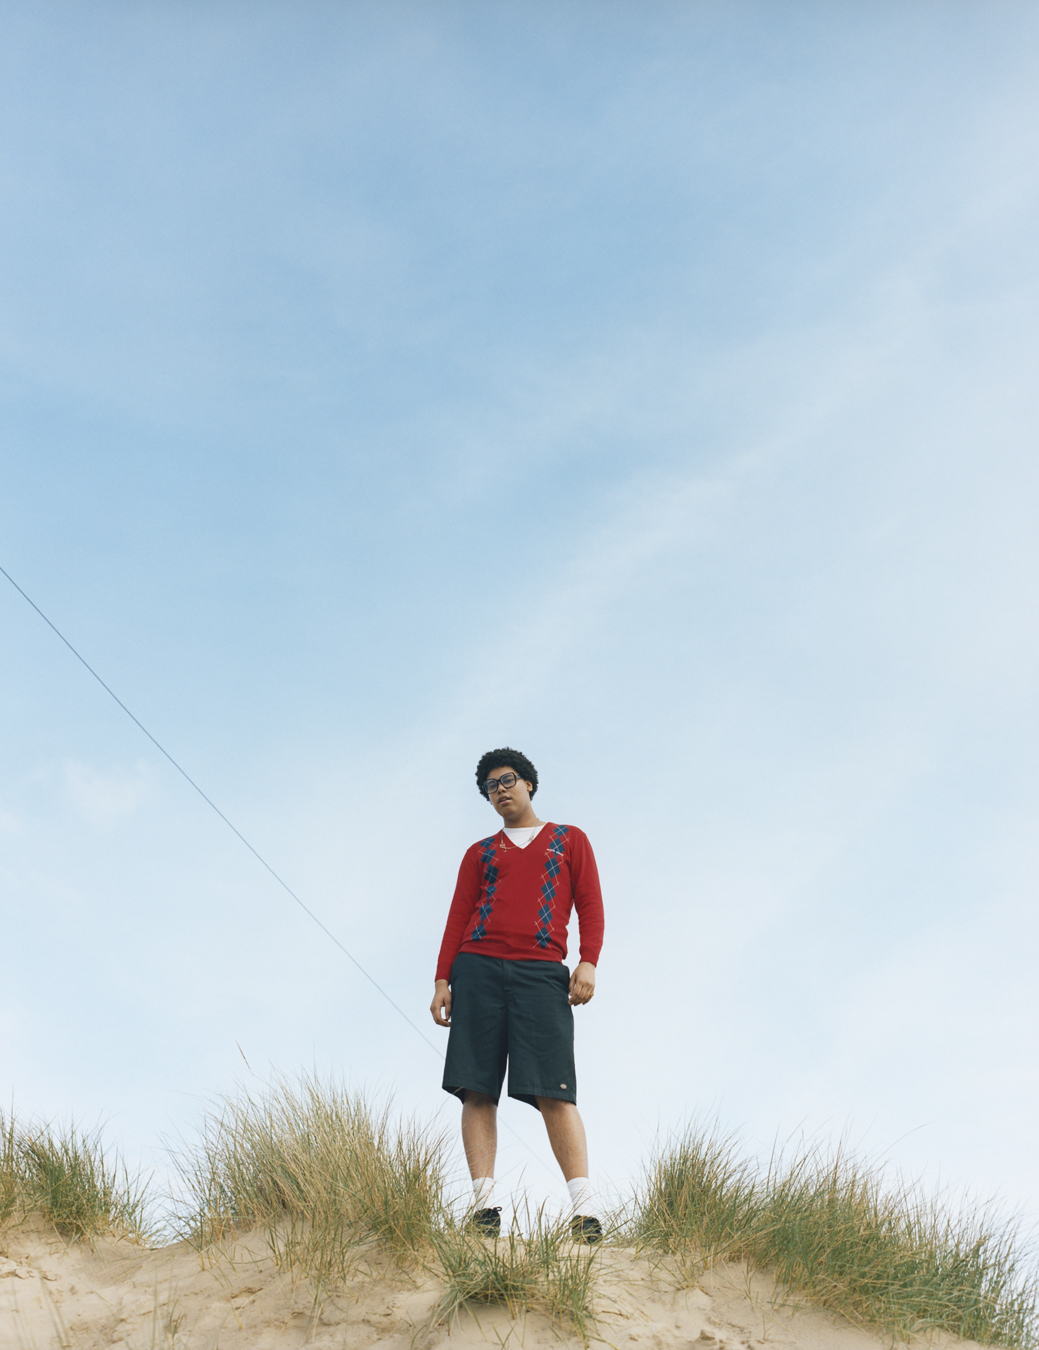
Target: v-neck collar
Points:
(507, 846)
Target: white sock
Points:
(483, 1191)
(580, 1189)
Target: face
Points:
(511, 801)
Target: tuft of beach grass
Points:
(65, 1177)
(545, 1272)
(10, 1175)
(828, 1227)
(323, 1174)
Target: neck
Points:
(523, 822)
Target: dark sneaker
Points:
(486, 1222)
(586, 1229)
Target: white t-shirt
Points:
(527, 835)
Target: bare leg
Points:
(566, 1135)
(479, 1133)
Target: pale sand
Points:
(79, 1296)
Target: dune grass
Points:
(544, 1272)
(65, 1177)
(324, 1175)
(10, 1178)
(828, 1227)
(333, 1183)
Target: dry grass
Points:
(10, 1176)
(64, 1177)
(828, 1227)
(545, 1272)
(332, 1182)
(326, 1177)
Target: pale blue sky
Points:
(648, 386)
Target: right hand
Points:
(441, 1005)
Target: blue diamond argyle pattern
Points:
(490, 885)
(554, 855)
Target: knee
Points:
(479, 1100)
(552, 1106)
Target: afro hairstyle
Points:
(519, 764)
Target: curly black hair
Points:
(519, 764)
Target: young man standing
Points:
(502, 988)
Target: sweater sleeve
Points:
(466, 897)
(584, 877)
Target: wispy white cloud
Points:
(105, 797)
(11, 822)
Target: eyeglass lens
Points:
(505, 781)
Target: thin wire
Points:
(259, 857)
(208, 800)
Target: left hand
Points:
(582, 984)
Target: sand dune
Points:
(82, 1295)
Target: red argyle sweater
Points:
(515, 903)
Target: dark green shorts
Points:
(516, 1012)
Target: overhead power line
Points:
(209, 802)
(256, 854)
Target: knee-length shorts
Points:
(514, 1013)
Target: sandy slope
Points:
(112, 1293)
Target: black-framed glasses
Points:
(507, 780)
